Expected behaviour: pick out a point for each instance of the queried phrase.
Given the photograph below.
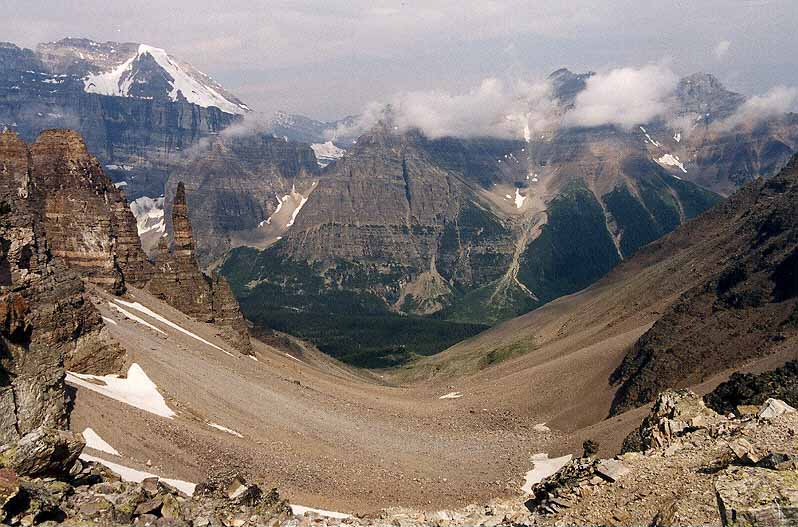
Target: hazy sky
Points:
(329, 58)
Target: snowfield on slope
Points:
(136, 390)
(326, 153)
(137, 476)
(543, 467)
(93, 440)
(149, 214)
(147, 311)
(134, 318)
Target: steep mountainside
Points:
(139, 136)
(135, 70)
(472, 231)
(747, 308)
(716, 295)
(48, 323)
(237, 183)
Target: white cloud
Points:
(722, 49)
(777, 101)
(495, 108)
(623, 97)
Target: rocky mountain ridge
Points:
(747, 305)
(136, 71)
(48, 320)
(87, 223)
(472, 231)
(138, 140)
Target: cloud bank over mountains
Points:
(623, 97)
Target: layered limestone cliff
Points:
(86, 218)
(47, 323)
(242, 190)
(87, 223)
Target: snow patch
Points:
(292, 357)
(677, 137)
(136, 389)
(451, 395)
(327, 152)
(224, 429)
(268, 220)
(649, 137)
(134, 318)
(519, 199)
(149, 214)
(147, 311)
(671, 161)
(137, 476)
(299, 510)
(93, 440)
(543, 467)
(541, 427)
(110, 321)
(296, 211)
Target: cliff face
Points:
(236, 183)
(179, 282)
(47, 323)
(88, 225)
(86, 218)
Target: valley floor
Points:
(334, 438)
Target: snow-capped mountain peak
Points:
(151, 73)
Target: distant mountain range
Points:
(435, 236)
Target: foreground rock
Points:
(76, 493)
(43, 452)
(46, 319)
(758, 496)
(697, 468)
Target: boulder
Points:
(611, 469)
(774, 408)
(43, 452)
(744, 451)
(752, 496)
(674, 413)
(170, 509)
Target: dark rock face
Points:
(179, 282)
(744, 389)
(747, 308)
(47, 321)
